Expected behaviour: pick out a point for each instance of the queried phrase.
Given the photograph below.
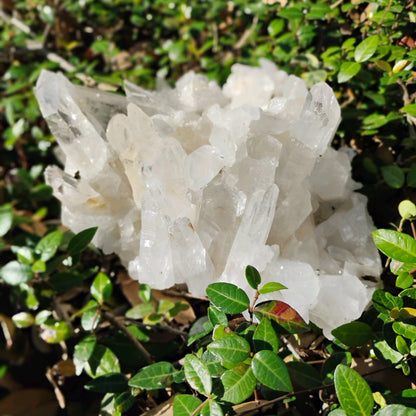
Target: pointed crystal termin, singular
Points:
(193, 183)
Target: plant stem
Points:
(195, 412)
(114, 321)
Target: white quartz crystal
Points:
(193, 183)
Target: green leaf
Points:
(270, 370)
(185, 404)
(271, 287)
(23, 319)
(393, 175)
(265, 337)
(366, 49)
(337, 412)
(318, 11)
(82, 353)
(213, 363)
(253, 277)
(275, 27)
(217, 317)
(211, 408)
(239, 384)
(283, 314)
(353, 334)
(228, 297)
(234, 349)
(154, 376)
(407, 209)
(398, 246)
(90, 315)
(396, 410)
(108, 383)
(353, 392)
(53, 331)
(409, 109)
(404, 280)
(347, 71)
(140, 311)
(304, 374)
(201, 327)
(384, 352)
(401, 345)
(101, 288)
(15, 273)
(405, 329)
(102, 361)
(410, 292)
(197, 374)
(49, 244)
(145, 292)
(6, 219)
(291, 13)
(81, 241)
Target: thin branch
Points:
(114, 321)
(247, 33)
(58, 393)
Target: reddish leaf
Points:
(282, 314)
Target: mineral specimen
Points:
(192, 184)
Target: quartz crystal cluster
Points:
(191, 184)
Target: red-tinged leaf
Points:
(283, 314)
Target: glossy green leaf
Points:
(145, 292)
(228, 297)
(283, 314)
(396, 410)
(398, 246)
(404, 280)
(270, 370)
(253, 277)
(271, 287)
(393, 176)
(108, 383)
(397, 267)
(81, 241)
(53, 331)
(304, 374)
(101, 288)
(23, 319)
(90, 315)
(347, 71)
(265, 337)
(337, 412)
(401, 345)
(154, 376)
(407, 330)
(6, 219)
(353, 392)
(82, 353)
(217, 317)
(197, 374)
(239, 384)
(213, 363)
(201, 327)
(366, 49)
(384, 352)
(48, 245)
(101, 361)
(15, 273)
(140, 311)
(185, 404)
(233, 349)
(211, 408)
(353, 334)
(410, 292)
(124, 401)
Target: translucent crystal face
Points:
(192, 184)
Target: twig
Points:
(58, 393)
(247, 33)
(113, 320)
(337, 3)
(51, 56)
(196, 411)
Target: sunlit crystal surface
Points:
(193, 183)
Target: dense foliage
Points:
(73, 324)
